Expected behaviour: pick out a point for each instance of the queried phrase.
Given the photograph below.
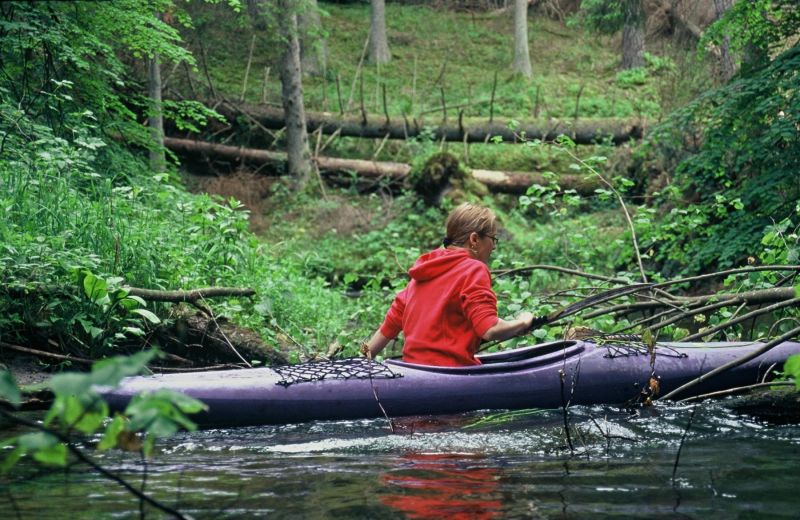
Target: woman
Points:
(449, 305)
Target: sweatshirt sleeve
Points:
(479, 300)
(393, 323)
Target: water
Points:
(462, 467)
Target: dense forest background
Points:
(621, 141)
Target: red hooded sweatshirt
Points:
(445, 309)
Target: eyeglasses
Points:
(493, 237)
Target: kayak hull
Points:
(542, 376)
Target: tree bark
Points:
(633, 35)
(297, 148)
(496, 181)
(727, 68)
(522, 59)
(313, 46)
(472, 130)
(155, 117)
(378, 42)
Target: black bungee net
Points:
(350, 368)
(627, 345)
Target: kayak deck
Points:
(550, 375)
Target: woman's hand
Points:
(508, 329)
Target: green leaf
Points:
(792, 368)
(109, 372)
(8, 389)
(12, 458)
(55, 455)
(113, 430)
(94, 287)
(149, 316)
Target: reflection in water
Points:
(443, 485)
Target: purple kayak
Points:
(541, 376)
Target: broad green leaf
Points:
(113, 429)
(109, 372)
(55, 455)
(94, 287)
(149, 316)
(36, 441)
(792, 368)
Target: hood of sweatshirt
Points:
(436, 263)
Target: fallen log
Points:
(496, 181)
(472, 130)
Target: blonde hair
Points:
(469, 218)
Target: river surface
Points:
(481, 465)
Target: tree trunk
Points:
(313, 46)
(155, 116)
(378, 41)
(522, 59)
(497, 181)
(471, 130)
(292, 94)
(633, 35)
(727, 68)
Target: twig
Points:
(740, 270)
(544, 267)
(247, 69)
(264, 86)
(358, 71)
(743, 317)
(380, 147)
(222, 333)
(42, 353)
(731, 391)
(375, 393)
(622, 204)
(92, 464)
(680, 446)
(491, 102)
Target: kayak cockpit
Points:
(509, 360)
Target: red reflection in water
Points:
(442, 486)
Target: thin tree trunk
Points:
(155, 115)
(292, 93)
(378, 42)
(727, 68)
(633, 35)
(522, 58)
(313, 46)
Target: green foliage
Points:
(740, 177)
(78, 409)
(603, 16)
(792, 368)
(755, 27)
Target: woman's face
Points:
(482, 246)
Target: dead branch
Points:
(475, 130)
(191, 295)
(740, 270)
(735, 363)
(497, 181)
(45, 354)
(737, 390)
(744, 317)
(527, 268)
